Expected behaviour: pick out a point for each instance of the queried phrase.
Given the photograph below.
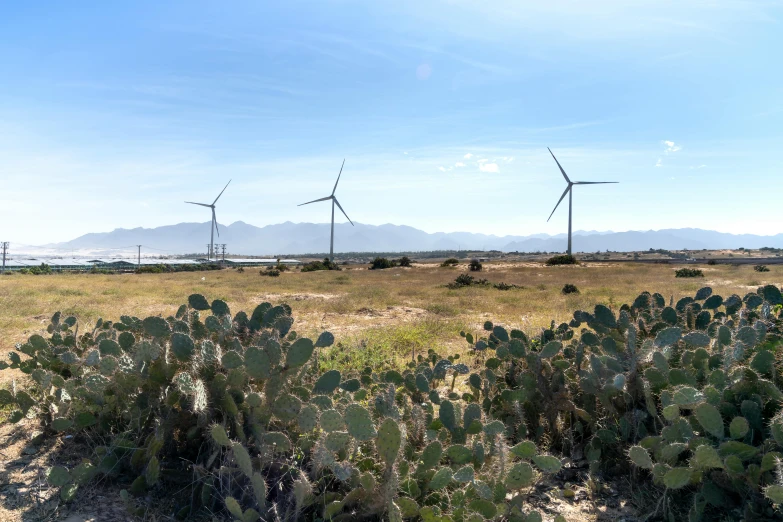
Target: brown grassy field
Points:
(376, 316)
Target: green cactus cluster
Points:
(685, 395)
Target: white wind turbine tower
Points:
(214, 227)
(570, 194)
(334, 201)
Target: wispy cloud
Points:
(442, 169)
(468, 155)
(671, 147)
(697, 167)
(489, 167)
(459, 164)
(483, 160)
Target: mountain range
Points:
(302, 238)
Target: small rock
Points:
(30, 450)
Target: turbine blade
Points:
(594, 182)
(559, 200)
(343, 211)
(315, 201)
(338, 178)
(202, 204)
(558, 164)
(214, 222)
(221, 192)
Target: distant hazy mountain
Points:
(302, 238)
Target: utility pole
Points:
(4, 245)
(139, 263)
(209, 251)
(223, 246)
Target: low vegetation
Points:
(761, 268)
(163, 268)
(688, 272)
(569, 288)
(475, 266)
(315, 266)
(685, 397)
(450, 262)
(464, 280)
(564, 259)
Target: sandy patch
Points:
(361, 319)
(276, 298)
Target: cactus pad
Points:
(182, 346)
(327, 383)
(677, 478)
(388, 441)
(299, 352)
(308, 418)
(156, 327)
(521, 475)
(640, 457)
(441, 479)
(359, 422)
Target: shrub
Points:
(404, 261)
(450, 262)
(314, 266)
(761, 268)
(44, 269)
(241, 270)
(270, 271)
(563, 259)
(380, 263)
(688, 272)
(235, 407)
(569, 289)
(280, 267)
(475, 266)
(712, 262)
(464, 280)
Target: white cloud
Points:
(468, 155)
(489, 167)
(699, 167)
(659, 163)
(483, 160)
(405, 153)
(508, 159)
(459, 164)
(442, 169)
(671, 147)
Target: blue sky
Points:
(114, 113)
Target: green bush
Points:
(688, 272)
(404, 261)
(475, 266)
(44, 269)
(315, 266)
(712, 262)
(381, 263)
(569, 289)
(761, 268)
(450, 262)
(564, 259)
(685, 396)
(270, 271)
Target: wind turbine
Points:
(570, 194)
(214, 227)
(334, 201)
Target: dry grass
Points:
(378, 316)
